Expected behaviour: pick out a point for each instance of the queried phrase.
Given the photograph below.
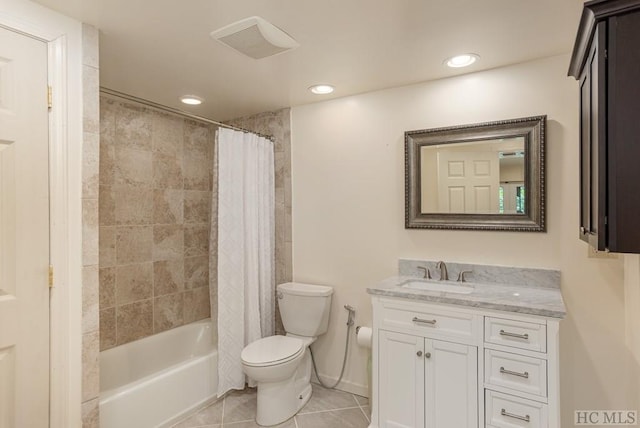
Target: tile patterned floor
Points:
(326, 409)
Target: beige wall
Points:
(155, 199)
(348, 217)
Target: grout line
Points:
(224, 400)
(365, 414)
(295, 421)
(328, 410)
(355, 399)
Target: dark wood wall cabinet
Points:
(606, 62)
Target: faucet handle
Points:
(427, 273)
(461, 277)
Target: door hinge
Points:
(50, 276)
(49, 97)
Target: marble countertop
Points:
(531, 300)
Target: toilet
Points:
(281, 365)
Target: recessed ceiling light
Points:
(461, 60)
(192, 100)
(321, 89)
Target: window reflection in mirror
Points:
(479, 177)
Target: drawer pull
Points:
(509, 372)
(525, 418)
(421, 321)
(519, 336)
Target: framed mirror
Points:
(487, 176)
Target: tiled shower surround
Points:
(155, 198)
(156, 185)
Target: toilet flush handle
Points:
(280, 295)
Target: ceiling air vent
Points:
(255, 37)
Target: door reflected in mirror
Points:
(481, 177)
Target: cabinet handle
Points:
(519, 336)
(509, 372)
(427, 355)
(421, 321)
(525, 418)
(419, 353)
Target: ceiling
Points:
(161, 49)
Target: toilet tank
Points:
(304, 308)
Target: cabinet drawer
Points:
(516, 372)
(518, 334)
(507, 411)
(430, 322)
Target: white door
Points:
(468, 182)
(451, 385)
(400, 380)
(24, 233)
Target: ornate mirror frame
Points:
(533, 220)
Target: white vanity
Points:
(485, 357)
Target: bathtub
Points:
(154, 381)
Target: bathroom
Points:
(339, 192)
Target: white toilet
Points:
(281, 365)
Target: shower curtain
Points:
(245, 241)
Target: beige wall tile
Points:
(133, 127)
(134, 244)
(90, 100)
(134, 321)
(196, 304)
(91, 414)
(198, 139)
(108, 108)
(107, 328)
(168, 312)
(168, 242)
(107, 206)
(167, 171)
(107, 248)
(107, 293)
(90, 165)
(90, 365)
(168, 277)
(133, 167)
(196, 271)
(133, 205)
(90, 37)
(107, 167)
(90, 299)
(90, 232)
(197, 204)
(167, 134)
(168, 206)
(133, 283)
(197, 172)
(196, 240)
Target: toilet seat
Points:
(271, 351)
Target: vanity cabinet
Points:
(449, 366)
(606, 62)
(426, 382)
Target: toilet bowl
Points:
(281, 365)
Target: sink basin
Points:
(444, 286)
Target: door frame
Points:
(63, 36)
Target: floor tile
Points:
(367, 412)
(328, 399)
(207, 417)
(240, 406)
(252, 424)
(348, 418)
(363, 401)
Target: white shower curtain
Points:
(246, 239)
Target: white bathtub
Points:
(153, 381)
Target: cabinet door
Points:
(400, 380)
(451, 385)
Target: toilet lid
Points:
(271, 350)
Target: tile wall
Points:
(155, 202)
(90, 154)
(278, 124)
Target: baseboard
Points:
(344, 385)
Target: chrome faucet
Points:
(444, 276)
(427, 273)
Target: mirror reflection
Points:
(479, 177)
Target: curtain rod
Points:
(161, 107)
